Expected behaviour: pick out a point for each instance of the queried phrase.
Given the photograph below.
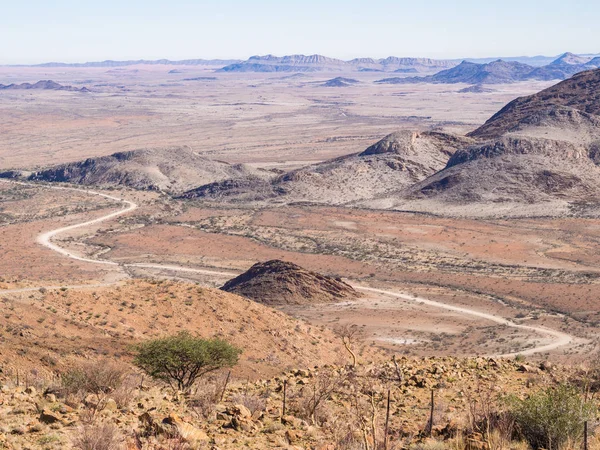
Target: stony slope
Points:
(250, 414)
(172, 170)
(399, 160)
(278, 282)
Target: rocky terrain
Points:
(539, 150)
(171, 170)
(326, 408)
(42, 84)
(283, 283)
(399, 160)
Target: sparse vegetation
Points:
(102, 436)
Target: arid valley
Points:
(124, 206)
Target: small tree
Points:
(350, 335)
(182, 359)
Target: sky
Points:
(37, 31)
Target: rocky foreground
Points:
(329, 407)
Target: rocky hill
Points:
(42, 85)
(565, 66)
(399, 160)
(492, 73)
(569, 58)
(516, 170)
(476, 89)
(283, 283)
(171, 170)
(580, 92)
(471, 73)
(539, 155)
(340, 82)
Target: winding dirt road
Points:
(45, 239)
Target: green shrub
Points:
(551, 417)
(182, 359)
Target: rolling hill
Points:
(171, 170)
(399, 160)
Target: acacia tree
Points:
(182, 359)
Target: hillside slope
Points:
(41, 328)
(580, 92)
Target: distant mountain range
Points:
(318, 63)
(501, 71)
(42, 84)
(166, 62)
(537, 67)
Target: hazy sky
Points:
(35, 31)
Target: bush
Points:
(182, 359)
(98, 377)
(98, 437)
(552, 417)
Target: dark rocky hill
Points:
(278, 282)
(340, 82)
(581, 92)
